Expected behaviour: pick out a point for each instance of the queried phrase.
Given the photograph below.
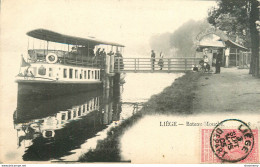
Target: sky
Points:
(130, 23)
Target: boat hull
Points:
(55, 88)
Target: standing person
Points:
(206, 63)
(103, 53)
(97, 56)
(160, 63)
(218, 61)
(98, 52)
(152, 59)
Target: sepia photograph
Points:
(129, 82)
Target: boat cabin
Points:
(66, 58)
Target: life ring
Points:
(48, 133)
(51, 58)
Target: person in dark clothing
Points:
(98, 52)
(218, 61)
(103, 53)
(152, 59)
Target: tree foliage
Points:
(180, 43)
(232, 17)
(238, 19)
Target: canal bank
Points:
(174, 100)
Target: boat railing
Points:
(65, 58)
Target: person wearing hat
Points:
(160, 63)
(152, 59)
(218, 61)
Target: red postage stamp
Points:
(230, 141)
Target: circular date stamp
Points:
(232, 140)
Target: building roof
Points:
(217, 44)
(221, 44)
(233, 44)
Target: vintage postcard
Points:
(130, 82)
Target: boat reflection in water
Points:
(51, 129)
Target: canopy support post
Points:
(47, 47)
(88, 51)
(76, 53)
(236, 57)
(81, 56)
(69, 50)
(27, 49)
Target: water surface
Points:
(63, 128)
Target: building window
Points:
(95, 74)
(76, 73)
(64, 73)
(98, 75)
(92, 74)
(71, 73)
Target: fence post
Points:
(135, 64)
(138, 63)
(118, 64)
(169, 60)
(242, 60)
(236, 57)
(185, 64)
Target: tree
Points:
(182, 42)
(238, 19)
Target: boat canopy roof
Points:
(52, 36)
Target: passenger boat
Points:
(78, 65)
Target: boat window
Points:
(83, 108)
(74, 113)
(71, 73)
(69, 115)
(50, 72)
(91, 105)
(42, 70)
(63, 116)
(85, 74)
(64, 73)
(76, 73)
(81, 74)
(79, 113)
(88, 74)
(87, 107)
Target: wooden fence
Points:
(155, 65)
